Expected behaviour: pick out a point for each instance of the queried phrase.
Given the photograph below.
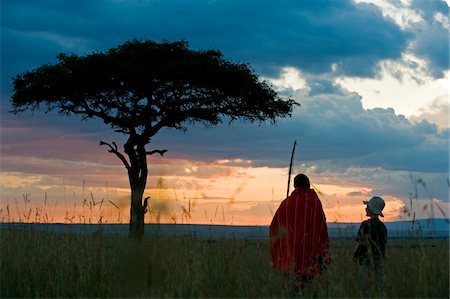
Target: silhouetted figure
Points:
(371, 247)
(299, 240)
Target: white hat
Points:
(375, 205)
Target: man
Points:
(298, 233)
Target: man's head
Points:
(301, 181)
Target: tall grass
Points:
(61, 264)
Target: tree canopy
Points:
(143, 86)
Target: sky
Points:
(372, 78)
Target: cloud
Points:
(310, 35)
(51, 137)
(398, 11)
(290, 80)
(372, 181)
(437, 113)
(428, 24)
(377, 137)
(432, 39)
(327, 127)
(403, 84)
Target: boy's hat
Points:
(375, 205)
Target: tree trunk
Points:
(136, 214)
(137, 174)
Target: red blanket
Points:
(298, 234)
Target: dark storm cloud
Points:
(269, 34)
(330, 126)
(432, 36)
(310, 35)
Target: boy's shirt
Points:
(371, 238)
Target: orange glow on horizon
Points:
(238, 196)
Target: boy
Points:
(371, 244)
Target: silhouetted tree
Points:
(140, 87)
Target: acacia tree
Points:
(140, 87)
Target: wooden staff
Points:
(290, 167)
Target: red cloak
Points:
(298, 234)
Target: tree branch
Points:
(113, 149)
(161, 152)
(144, 207)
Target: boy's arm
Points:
(360, 251)
(362, 242)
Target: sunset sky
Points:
(372, 78)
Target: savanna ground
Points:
(57, 264)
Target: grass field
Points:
(47, 264)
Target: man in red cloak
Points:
(298, 233)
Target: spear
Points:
(290, 167)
